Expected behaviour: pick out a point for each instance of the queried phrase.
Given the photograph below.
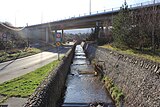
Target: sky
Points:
(21, 12)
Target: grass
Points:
(25, 85)
(17, 53)
(115, 92)
(3, 99)
(147, 55)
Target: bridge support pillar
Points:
(54, 36)
(102, 28)
(62, 35)
(96, 32)
(97, 29)
(47, 35)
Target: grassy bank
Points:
(17, 53)
(145, 54)
(25, 85)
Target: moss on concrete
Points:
(115, 92)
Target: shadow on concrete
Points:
(10, 62)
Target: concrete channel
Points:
(84, 89)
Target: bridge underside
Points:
(76, 23)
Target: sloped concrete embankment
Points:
(138, 78)
(50, 91)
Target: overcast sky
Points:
(20, 12)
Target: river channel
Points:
(84, 89)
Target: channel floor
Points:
(83, 87)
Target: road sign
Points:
(58, 43)
(58, 35)
(58, 39)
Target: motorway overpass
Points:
(88, 21)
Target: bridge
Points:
(90, 20)
(94, 20)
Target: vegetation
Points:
(70, 36)
(4, 99)
(137, 29)
(147, 54)
(132, 29)
(115, 92)
(17, 53)
(11, 39)
(25, 85)
(121, 27)
(132, 32)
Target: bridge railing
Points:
(144, 4)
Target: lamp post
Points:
(90, 7)
(15, 20)
(125, 2)
(41, 17)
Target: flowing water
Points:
(83, 87)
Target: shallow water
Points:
(82, 85)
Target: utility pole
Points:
(90, 7)
(41, 17)
(15, 19)
(125, 2)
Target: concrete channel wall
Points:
(138, 78)
(50, 91)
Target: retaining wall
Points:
(138, 78)
(50, 91)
